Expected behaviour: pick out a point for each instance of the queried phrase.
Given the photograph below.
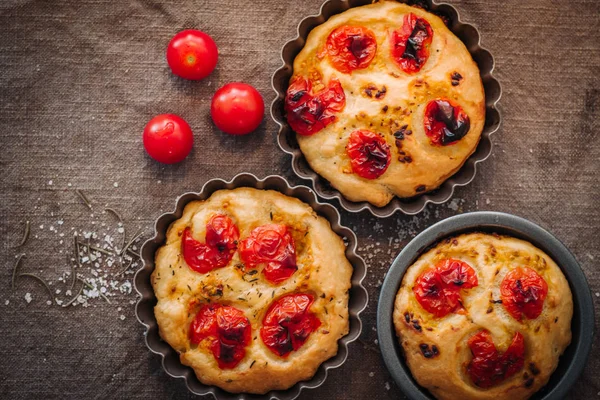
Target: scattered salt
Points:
(116, 184)
(49, 302)
(122, 317)
(6, 302)
(28, 297)
(50, 182)
(371, 374)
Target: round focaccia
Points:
(483, 316)
(252, 289)
(385, 101)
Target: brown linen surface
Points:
(80, 79)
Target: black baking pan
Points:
(468, 33)
(572, 361)
(145, 306)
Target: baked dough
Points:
(323, 271)
(492, 257)
(425, 166)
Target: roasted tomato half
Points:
(410, 44)
(308, 112)
(351, 47)
(523, 292)
(445, 122)
(227, 330)
(438, 289)
(273, 246)
(369, 154)
(221, 243)
(489, 367)
(288, 324)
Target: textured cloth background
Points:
(80, 79)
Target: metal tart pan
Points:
(286, 137)
(573, 360)
(145, 306)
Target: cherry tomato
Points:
(410, 44)
(168, 138)
(221, 243)
(237, 108)
(438, 289)
(228, 332)
(288, 324)
(445, 122)
(192, 54)
(488, 367)
(369, 154)
(273, 246)
(351, 47)
(308, 112)
(523, 292)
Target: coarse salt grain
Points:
(50, 182)
(122, 317)
(116, 184)
(28, 297)
(371, 374)
(6, 302)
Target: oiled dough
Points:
(323, 271)
(492, 257)
(405, 99)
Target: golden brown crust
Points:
(404, 101)
(323, 271)
(492, 257)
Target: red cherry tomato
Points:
(288, 324)
(488, 367)
(308, 112)
(237, 108)
(221, 243)
(351, 47)
(192, 54)
(410, 44)
(228, 332)
(445, 122)
(168, 138)
(438, 289)
(273, 246)
(369, 154)
(523, 292)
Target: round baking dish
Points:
(287, 138)
(573, 360)
(145, 306)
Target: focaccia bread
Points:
(385, 101)
(483, 316)
(252, 290)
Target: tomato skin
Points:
(221, 243)
(273, 246)
(228, 332)
(523, 292)
(445, 122)
(168, 138)
(308, 112)
(369, 154)
(237, 108)
(351, 47)
(438, 289)
(410, 44)
(192, 54)
(488, 367)
(288, 323)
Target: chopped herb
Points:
(115, 213)
(190, 289)
(253, 361)
(242, 299)
(91, 288)
(14, 274)
(25, 235)
(101, 250)
(271, 215)
(74, 297)
(43, 282)
(137, 234)
(84, 198)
